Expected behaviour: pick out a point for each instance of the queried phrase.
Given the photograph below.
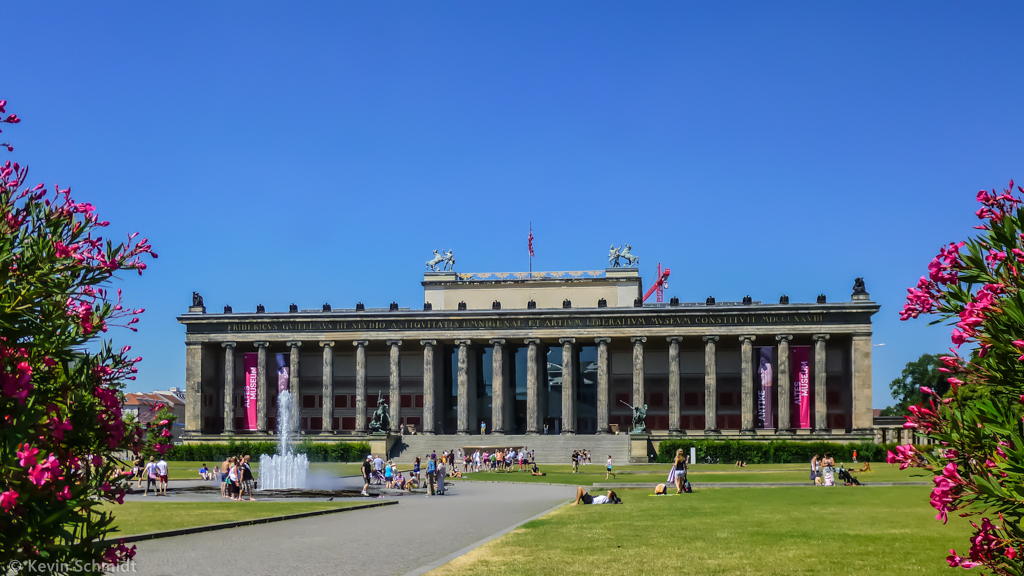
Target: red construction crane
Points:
(659, 285)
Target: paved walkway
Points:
(381, 541)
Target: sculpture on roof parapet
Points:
(614, 254)
(197, 299)
(445, 259)
(858, 286)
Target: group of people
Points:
(154, 472)
(580, 457)
(236, 478)
(504, 460)
(376, 471)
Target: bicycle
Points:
(710, 460)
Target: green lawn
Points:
(140, 517)
(655, 473)
(744, 531)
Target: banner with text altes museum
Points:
(251, 390)
(800, 415)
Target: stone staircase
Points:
(547, 449)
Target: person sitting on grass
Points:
(741, 464)
(205, 473)
(866, 467)
(455, 473)
(412, 482)
(583, 496)
(661, 490)
(534, 471)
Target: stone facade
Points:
(564, 364)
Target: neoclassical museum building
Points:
(536, 353)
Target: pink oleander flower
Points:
(955, 561)
(59, 428)
(8, 500)
(927, 390)
(1010, 553)
(38, 475)
(166, 433)
(64, 494)
(958, 337)
(27, 456)
(97, 461)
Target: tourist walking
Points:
(416, 469)
(224, 477)
(679, 471)
(441, 473)
(368, 473)
(152, 478)
(608, 468)
(161, 469)
(431, 475)
(247, 478)
(378, 468)
(814, 469)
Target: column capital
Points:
(463, 342)
(360, 343)
(676, 339)
(640, 339)
(261, 344)
(531, 340)
(710, 338)
(293, 343)
(603, 340)
(393, 342)
(564, 341)
(748, 338)
(820, 337)
(228, 344)
(496, 341)
(428, 342)
(784, 337)
(327, 343)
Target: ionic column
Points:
(328, 381)
(568, 386)
(638, 369)
(785, 383)
(463, 382)
(498, 386)
(395, 378)
(429, 387)
(861, 368)
(229, 388)
(293, 382)
(674, 407)
(710, 386)
(361, 384)
(747, 383)
(193, 387)
(602, 384)
(820, 404)
(261, 386)
(532, 387)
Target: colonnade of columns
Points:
(502, 413)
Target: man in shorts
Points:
(161, 468)
(583, 496)
(367, 473)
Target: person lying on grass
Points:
(660, 490)
(583, 496)
(534, 471)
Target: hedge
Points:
(315, 451)
(776, 451)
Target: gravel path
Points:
(379, 541)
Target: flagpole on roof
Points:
(531, 249)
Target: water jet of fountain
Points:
(286, 469)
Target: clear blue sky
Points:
(311, 153)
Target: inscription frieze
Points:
(526, 323)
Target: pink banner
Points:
(801, 374)
(766, 394)
(251, 388)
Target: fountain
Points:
(286, 469)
